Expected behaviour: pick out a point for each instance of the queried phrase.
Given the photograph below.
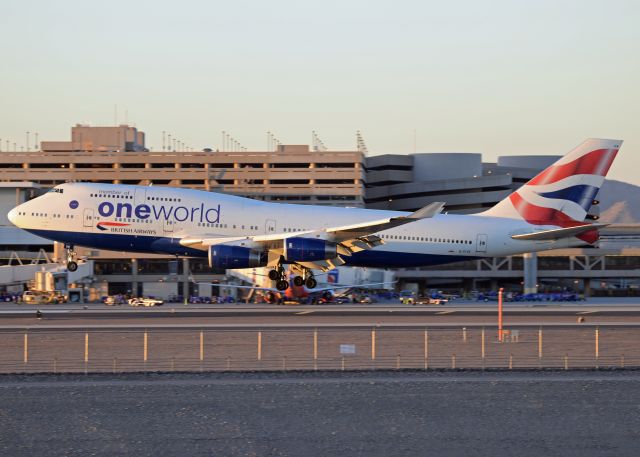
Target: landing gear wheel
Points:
(282, 285)
(72, 265)
(298, 281)
(311, 282)
(274, 275)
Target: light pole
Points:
(500, 332)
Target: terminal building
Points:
(297, 174)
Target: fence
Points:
(119, 351)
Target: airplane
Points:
(548, 212)
(301, 292)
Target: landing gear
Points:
(274, 275)
(310, 282)
(278, 275)
(72, 265)
(304, 277)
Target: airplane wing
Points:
(556, 234)
(349, 238)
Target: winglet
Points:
(428, 211)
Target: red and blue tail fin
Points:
(562, 194)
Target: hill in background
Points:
(619, 202)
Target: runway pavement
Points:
(458, 313)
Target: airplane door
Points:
(270, 226)
(140, 196)
(168, 226)
(88, 218)
(481, 243)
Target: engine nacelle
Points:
(299, 249)
(229, 257)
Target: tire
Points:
(72, 266)
(274, 275)
(311, 283)
(282, 285)
(298, 281)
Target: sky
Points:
(496, 77)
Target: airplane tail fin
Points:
(563, 193)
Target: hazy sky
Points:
(497, 77)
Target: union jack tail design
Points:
(562, 194)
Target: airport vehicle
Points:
(148, 302)
(114, 300)
(407, 297)
(548, 212)
(37, 297)
(430, 301)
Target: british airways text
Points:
(143, 211)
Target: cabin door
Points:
(481, 243)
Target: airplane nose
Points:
(13, 216)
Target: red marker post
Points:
(500, 314)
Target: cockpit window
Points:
(56, 190)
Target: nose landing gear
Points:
(72, 265)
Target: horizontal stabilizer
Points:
(556, 234)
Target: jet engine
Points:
(224, 256)
(299, 249)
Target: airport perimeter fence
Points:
(379, 348)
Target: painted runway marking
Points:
(304, 312)
(445, 312)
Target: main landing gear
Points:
(72, 265)
(304, 277)
(278, 275)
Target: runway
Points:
(459, 313)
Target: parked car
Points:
(114, 300)
(141, 301)
(430, 301)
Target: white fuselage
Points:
(155, 219)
